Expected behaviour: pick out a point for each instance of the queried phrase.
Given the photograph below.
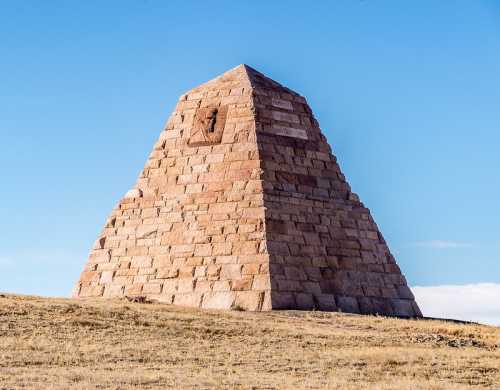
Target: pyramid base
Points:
(270, 301)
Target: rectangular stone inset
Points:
(287, 131)
(285, 117)
(280, 103)
(208, 126)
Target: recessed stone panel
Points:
(208, 126)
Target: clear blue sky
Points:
(408, 94)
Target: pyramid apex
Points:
(258, 79)
(247, 68)
(242, 65)
(241, 68)
(246, 75)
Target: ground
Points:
(62, 343)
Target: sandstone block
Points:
(113, 291)
(403, 307)
(89, 276)
(230, 271)
(261, 282)
(106, 277)
(348, 304)
(218, 300)
(222, 208)
(404, 292)
(280, 103)
(304, 301)
(295, 273)
(91, 291)
(213, 270)
(285, 117)
(133, 289)
(186, 271)
(241, 284)
(151, 288)
(325, 302)
(250, 269)
(141, 262)
(203, 250)
(189, 300)
(170, 286)
(248, 300)
(221, 285)
(203, 286)
(246, 247)
(133, 193)
(185, 285)
(222, 249)
(282, 301)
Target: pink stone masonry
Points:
(242, 205)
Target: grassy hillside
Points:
(62, 343)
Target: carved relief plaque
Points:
(208, 126)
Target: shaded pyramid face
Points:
(241, 205)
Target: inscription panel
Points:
(208, 126)
(287, 131)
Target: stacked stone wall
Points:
(242, 204)
(325, 249)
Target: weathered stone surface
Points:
(403, 307)
(283, 300)
(348, 304)
(218, 300)
(133, 193)
(325, 302)
(191, 300)
(304, 301)
(113, 291)
(242, 205)
(249, 300)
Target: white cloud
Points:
(471, 302)
(442, 244)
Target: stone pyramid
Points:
(241, 205)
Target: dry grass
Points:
(61, 343)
